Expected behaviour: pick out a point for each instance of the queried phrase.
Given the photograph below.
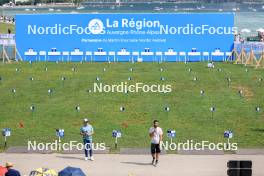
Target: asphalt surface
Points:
(133, 165)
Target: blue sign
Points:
(124, 37)
(228, 134)
(60, 132)
(6, 132)
(116, 134)
(171, 133)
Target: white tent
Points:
(245, 30)
(260, 30)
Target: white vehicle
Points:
(236, 9)
(158, 8)
(73, 12)
(80, 8)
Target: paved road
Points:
(134, 165)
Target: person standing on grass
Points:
(87, 132)
(9, 31)
(155, 134)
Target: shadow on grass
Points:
(137, 163)
(260, 130)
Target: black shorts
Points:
(155, 148)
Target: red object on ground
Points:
(124, 124)
(3, 170)
(21, 125)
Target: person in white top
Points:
(210, 65)
(155, 134)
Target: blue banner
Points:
(124, 37)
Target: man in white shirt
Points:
(87, 132)
(156, 134)
(210, 65)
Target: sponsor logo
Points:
(96, 26)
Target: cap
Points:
(86, 120)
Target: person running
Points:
(87, 133)
(155, 134)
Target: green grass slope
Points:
(4, 28)
(189, 112)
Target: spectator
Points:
(9, 31)
(210, 65)
(87, 132)
(10, 171)
(156, 135)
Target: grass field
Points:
(189, 112)
(4, 28)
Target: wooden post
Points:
(233, 54)
(18, 54)
(3, 54)
(260, 61)
(251, 59)
(5, 142)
